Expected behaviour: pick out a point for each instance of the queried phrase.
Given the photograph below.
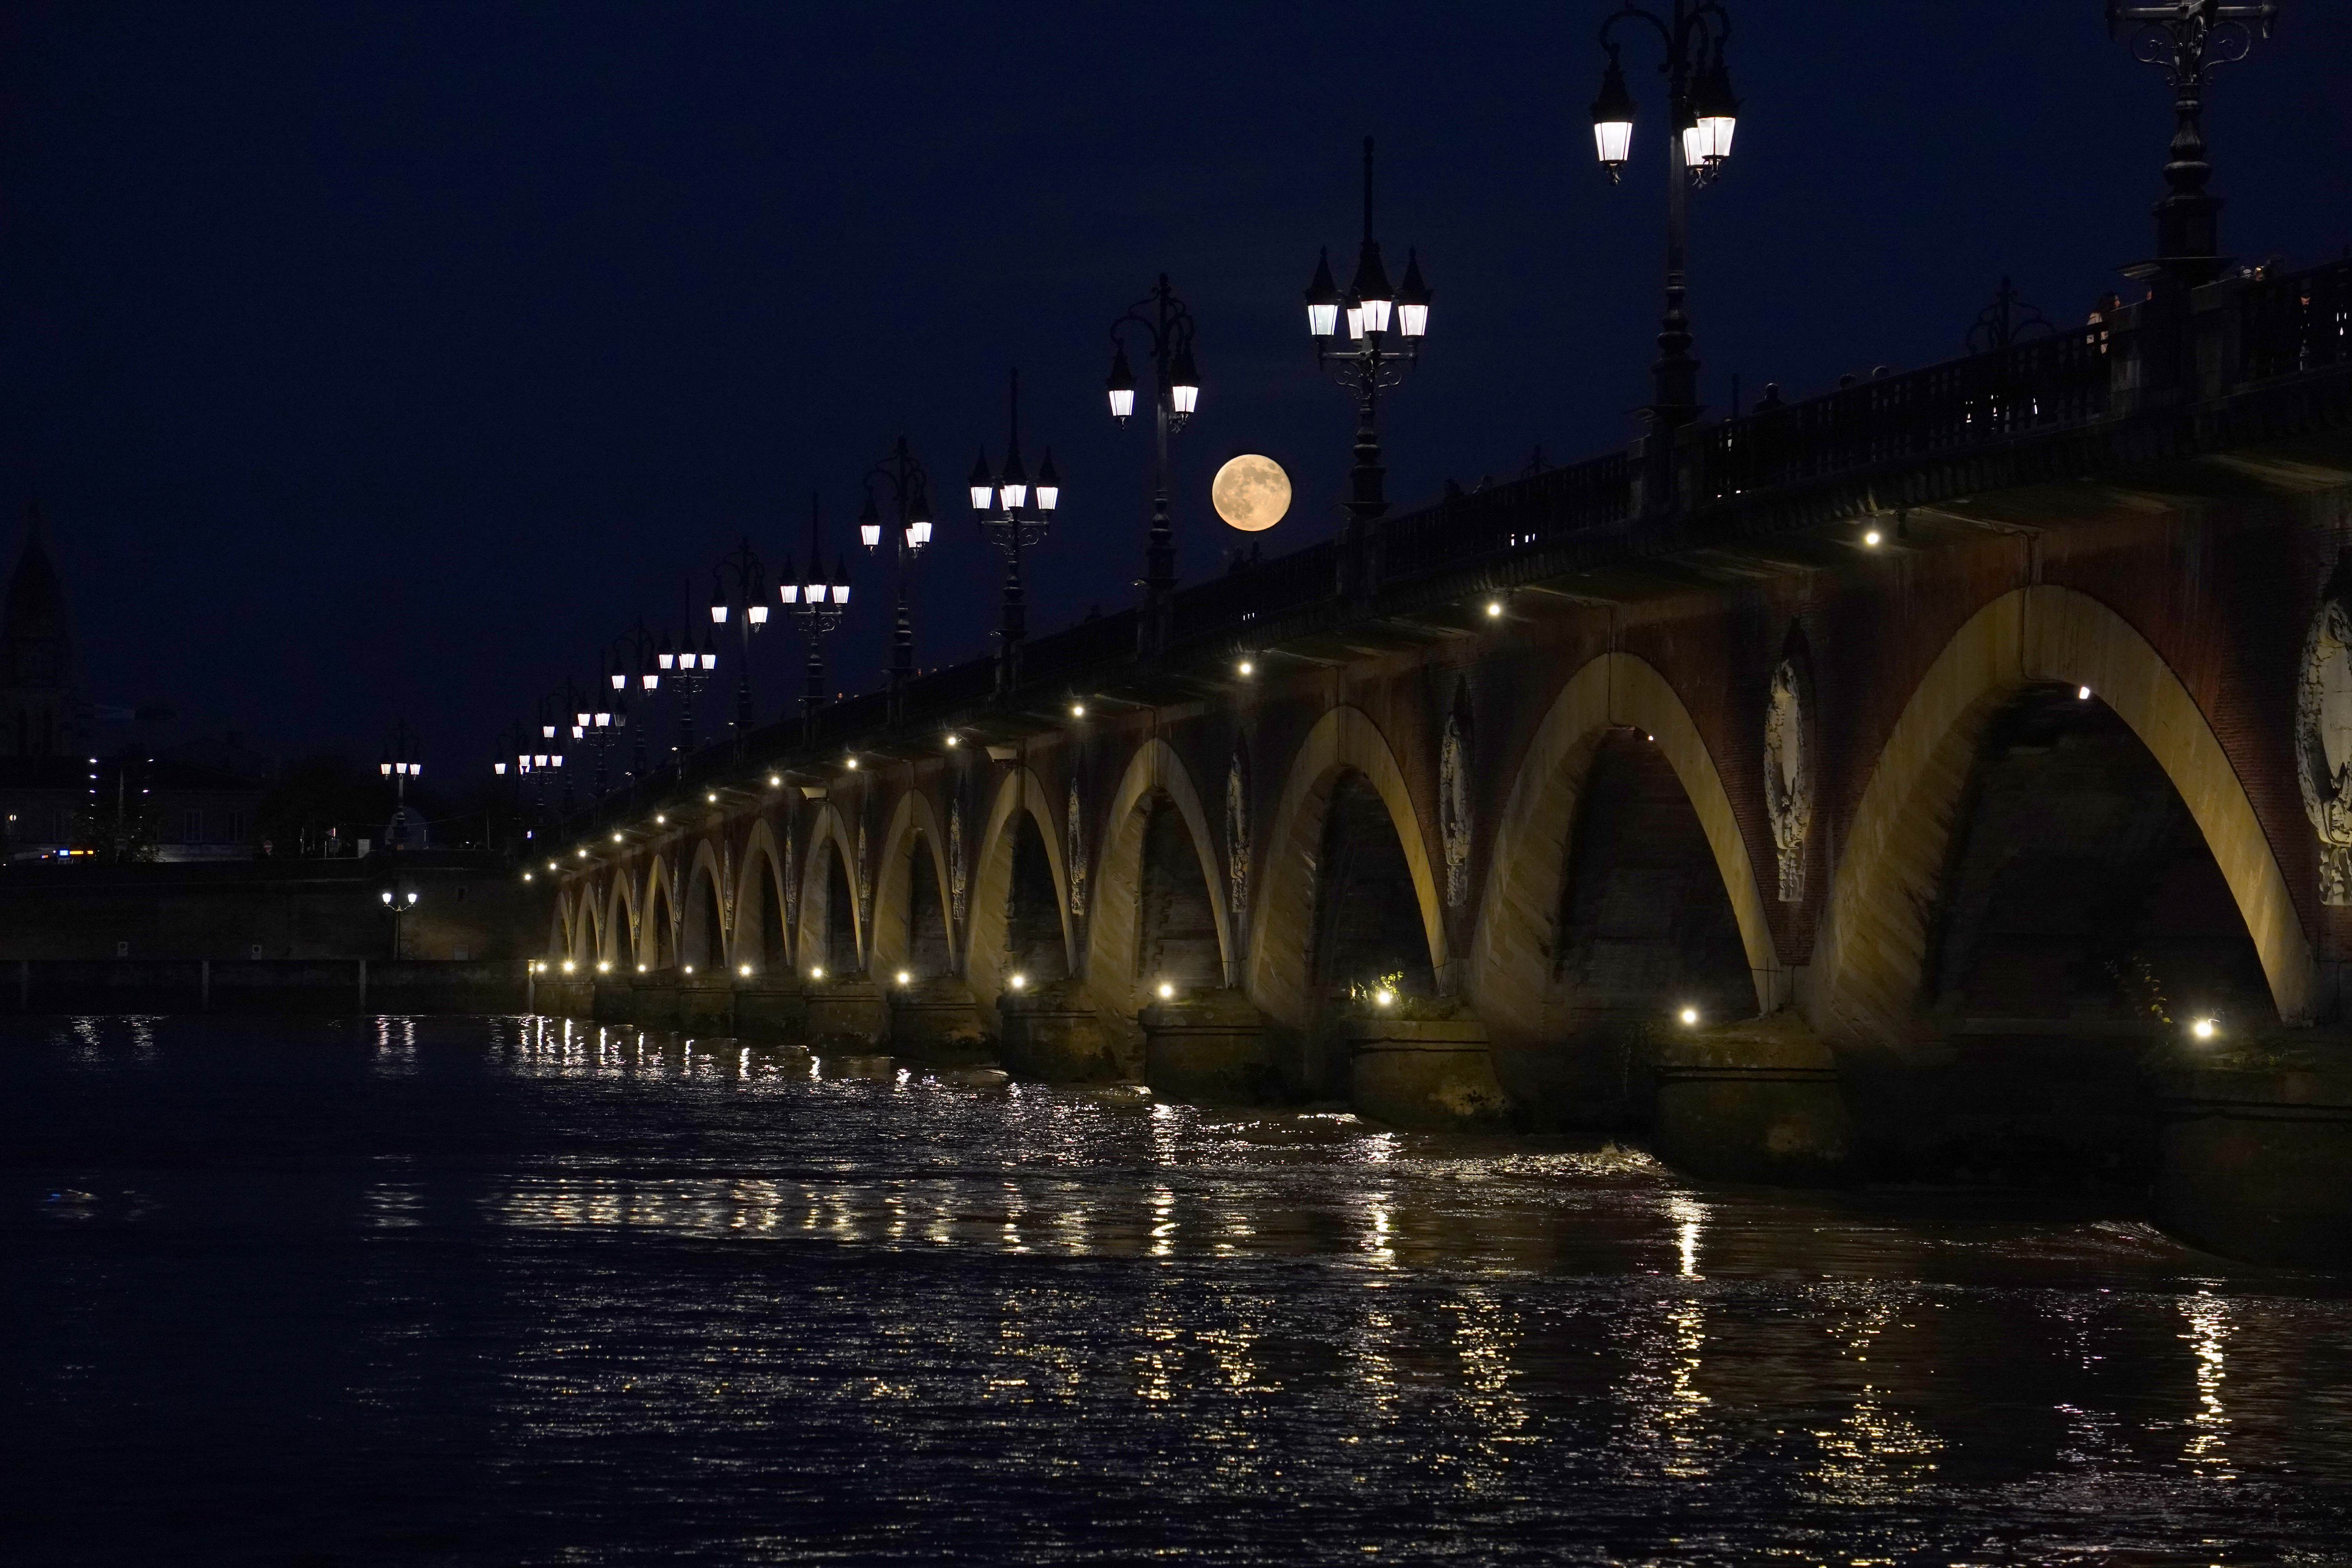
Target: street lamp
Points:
(1014, 516)
(597, 726)
(1705, 115)
(910, 485)
(818, 602)
(398, 902)
(688, 667)
(1166, 328)
(1386, 326)
(400, 764)
(630, 667)
(745, 606)
(2189, 40)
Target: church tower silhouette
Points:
(41, 709)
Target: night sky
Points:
(383, 359)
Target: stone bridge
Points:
(1947, 778)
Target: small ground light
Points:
(604, 968)
(1872, 537)
(689, 969)
(616, 838)
(2205, 1028)
(1383, 998)
(1077, 710)
(551, 865)
(641, 969)
(905, 978)
(853, 764)
(2081, 694)
(1689, 1015)
(817, 973)
(955, 740)
(711, 798)
(1494, 608)
(526, 876)
(568, 967)
(745, 970)
(1246, 667)
(774, 781)
(661, 820)
(1017, 982)
(1167, 991)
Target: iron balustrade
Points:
(2253, 330)
(2297, 322)
(1524, 514)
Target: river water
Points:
(509, 1291)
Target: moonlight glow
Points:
(1251, 492)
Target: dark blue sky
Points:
(378, 359)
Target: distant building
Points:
(42, 711)
(196, 801)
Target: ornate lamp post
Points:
(1014, 515)
(910, 485)
(2189, 40)
(398, 900)
(740, 597)
(630, 667)
(597, 726)
(1385, 326)
(1705, 114)
(818, 604)
(688, 667)
(1166, 328)
(400, 764)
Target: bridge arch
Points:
(1344, 742)
(620, 934)
(831, 934)
(702, 918)
(1869, 963)
(988, 925)
(1511, 955)
(1156, 790)
(657, 926)
(760, 937)
(910, 915)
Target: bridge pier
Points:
(938, 1021)
(1425, 1074)
(1053, 1033)
(1210, 1047)
(2255, 1161)
(1753, 1101)
(771, 1009)
(845, 1012)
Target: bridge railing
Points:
(1101, 640)
(2295, 322)
(2041, 384)
(2247, 332)
(1257, 592)
(1528, 513)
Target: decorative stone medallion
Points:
(2323, 745)
(1788, 777)
(1074, 817)
(955, 860)
(1453, 807)
(1237, 837)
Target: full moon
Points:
(1251, 492)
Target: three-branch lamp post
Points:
(902, 474)
(1014, 515)
(1699, 98)
(817, 602)
(740, 599)
(688, 667)
(630, 667)
(400, 764)
(1385, 326)
(597, 726)
(1166, 328)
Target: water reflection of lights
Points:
(1876, 1454)
(2209, 1330)
(1690, 1215)
(1163, 1223)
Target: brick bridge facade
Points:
(1948, 775)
